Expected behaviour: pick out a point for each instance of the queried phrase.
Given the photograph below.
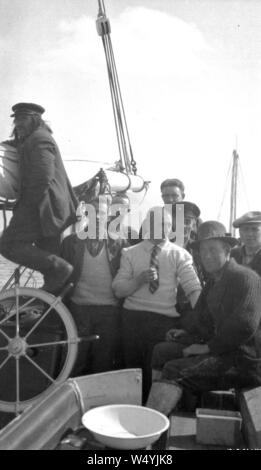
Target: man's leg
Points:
(60, 270)
(27, 253)
(154, 328)
(164, 396)
(105, 320)
(132, 338)
(84, 326)
(195, 373)
(164, 352)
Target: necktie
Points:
(94, 246)
(154, 263)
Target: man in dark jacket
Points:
(46, 205)
(249, 252)
(220, 345)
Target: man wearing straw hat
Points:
(218, 348)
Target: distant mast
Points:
(233, 194)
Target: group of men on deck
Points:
(188, 315)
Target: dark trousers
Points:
(141, 331)
(99, 355)
(169, 350)
(39, 254)
(205, 372)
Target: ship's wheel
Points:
(38, 346)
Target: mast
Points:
(233, 194)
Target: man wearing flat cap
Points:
(46, 205)
(219, 347)
(249, 252)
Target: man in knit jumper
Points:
(219, 345)
(150, 312)
(95, 257)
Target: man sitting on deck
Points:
(218, 349)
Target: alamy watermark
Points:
(98, 221)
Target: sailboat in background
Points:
(234, 180)
(233, 194)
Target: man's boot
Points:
(164, 396)
(57, 274)
(55, 270)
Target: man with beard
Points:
(46, 205)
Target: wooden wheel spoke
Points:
(5, 361)
(17, 380)
(51, 307)
(54, 343)
(4, 334)
(40, 369)
(17, 320)
(10, 315)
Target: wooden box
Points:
(218, 427)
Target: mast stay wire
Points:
(244, 185)
(225, 189)
(116, 98)
(123, 138)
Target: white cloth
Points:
(175, 265)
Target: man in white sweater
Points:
(148, 278)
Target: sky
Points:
(190, 76)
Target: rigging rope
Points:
(125, 150)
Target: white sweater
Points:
(175, 265)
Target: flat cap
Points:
(253, 217)
(27, 108)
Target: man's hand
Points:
(174, 334)
(196, 350)
(146, 276)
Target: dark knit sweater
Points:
(227, 315)
(238, 254)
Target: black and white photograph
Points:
(130, 228)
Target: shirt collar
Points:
(148, 245)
